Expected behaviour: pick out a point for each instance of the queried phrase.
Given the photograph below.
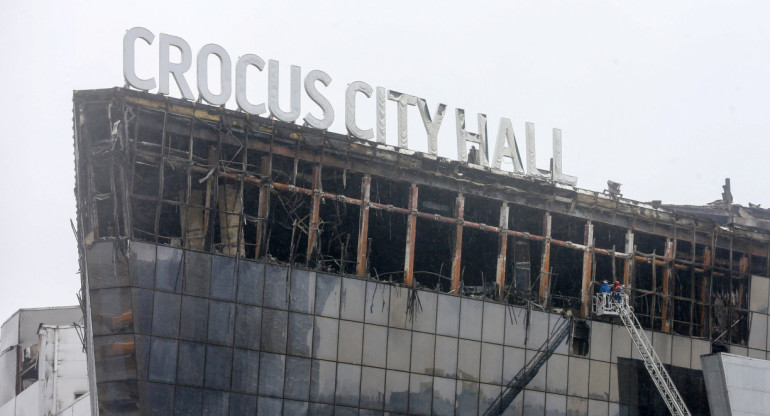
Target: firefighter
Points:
(617, 290)
(604, 293)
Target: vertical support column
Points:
(588, 260)
(705, 316)
(363, 227)
(628, 269)
(411, 234)
(459, 214)
(665, 324)
(545, 265)
(312, 235)
(263, 209)
(503, 244)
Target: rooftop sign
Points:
(314, 82)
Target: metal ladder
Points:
(652, 362)
(530, 370)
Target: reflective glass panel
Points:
(420, 391)
(251, 282)
(577, 406)
(219, 361)
(300, 336)
(377, 303)
(111, 311)
(142, 310)
(195, 312)
(242, 404)
(245, 371)
(101, 266)
(578, 374)
(269, 406)
(758, 331)
(468, 360)
(290, 408)
(215, 402)
(142, 264)
(168, 272)
(327, 295)
(447, 322)
(493, 328)
(444, 396)
(538, 330)
(554, 323)
(352, 299)
(274, 328)
(699, 347)
(189, 401)
(662, 344)
(680, 351)
(599, 382)
(318, 409)
(470, 318)
(142, 345)
(534, 402)
(302, 293)
(538, 382)
(345, 411)
(351, 339)
(165, 319)
(760, 286)
(423, 346)
(348, 382)
(513, 362)
(446, 356)
(601, 338)
(396, 391)
(555, 404)
(223, 278)
(248, 325)
(425, 312)
(276, 287)
(372, 387)
(487, 395)
(491, 360)
(467, 398)
(192, 355)
(221, 322)
(399, 301)
(197, 273)
(399, 346)
(556, 379)
(614, 396)
(297, 378)
(118, 395)
(515, 326)
(271, 372)
(621, 343)
(163, 360)
(375, 343)
(115, 357)
(325, 338)
(156, 398)
(322, 381)
(598, 408)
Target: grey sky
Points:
(666, 98)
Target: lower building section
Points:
(178, 331)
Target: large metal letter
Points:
(431, 124)
(557, 175)
(225, 74)
(403, 100)
(240, 83)
(129, 60)
(531, 155)
(273, 92)
(382, 99)
(350, 109)
(505, 136)
(176, 69)
(463, 136)
(319, 99)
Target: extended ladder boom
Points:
(530, 370)
(652, 362)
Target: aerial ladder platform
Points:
(616, 304)
(530, 370)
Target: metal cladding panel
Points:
(737, 385)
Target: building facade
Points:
(235, 264)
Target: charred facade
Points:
(177, 199)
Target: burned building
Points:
(237, 264)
